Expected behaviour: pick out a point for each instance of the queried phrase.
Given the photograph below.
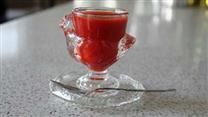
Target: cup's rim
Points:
(117, 11)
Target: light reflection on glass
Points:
(9, 42)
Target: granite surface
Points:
(170, 52)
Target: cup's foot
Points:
(98, 99)
(86, 83)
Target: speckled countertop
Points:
(171, 52)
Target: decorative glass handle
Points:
(124, 44)
(66, 24)
(72, 39)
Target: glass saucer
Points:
(98, 99)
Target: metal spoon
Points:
(77, 90)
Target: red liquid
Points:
(100, 36)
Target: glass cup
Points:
(97, 38)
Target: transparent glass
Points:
(97, 38)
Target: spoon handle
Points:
(132, 90)
(137, 90)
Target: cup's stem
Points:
(94, 79)
(98, 75)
